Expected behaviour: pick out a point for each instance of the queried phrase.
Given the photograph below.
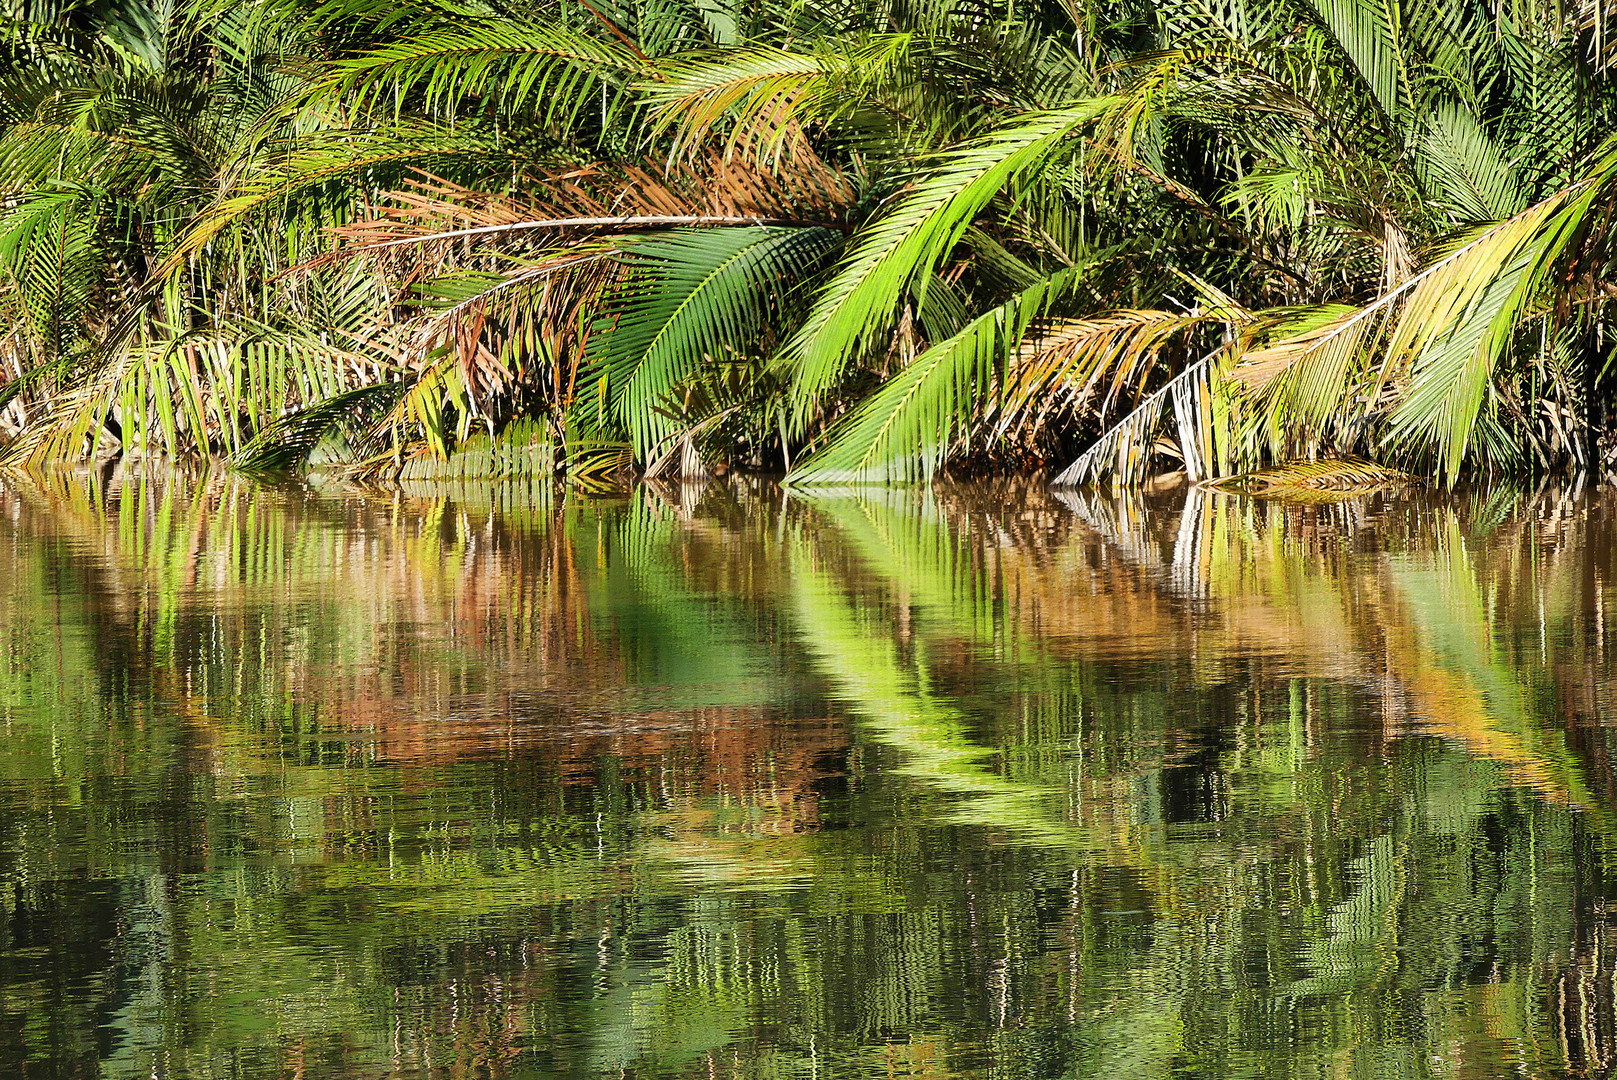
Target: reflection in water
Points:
(744, 783)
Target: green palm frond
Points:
(698, 297)
(764, 96)
(1450, 378)
(50, 249)
(759, 92)
(520, 64)
(1547, 102)
(904, 245)
(905, 430)
(1370, 33)
(140, 33)
(313, 161)
(286, 443)
(1011, 368)
(124, 131)
(1305, 381)
(1466, 166)
(201, 394)
(1458, 320)
(33, 153)
(1445, 329)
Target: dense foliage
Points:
(850, 239)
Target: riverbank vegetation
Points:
(868, 239)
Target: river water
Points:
(735, 782)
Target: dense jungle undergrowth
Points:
(848, 239)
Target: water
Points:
(738, 783)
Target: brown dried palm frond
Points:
(433, 215)
(1085, 364)
(522, 336)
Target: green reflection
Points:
(729, 782)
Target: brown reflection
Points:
(1424, 599)
(418, 632)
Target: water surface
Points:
(734, 782)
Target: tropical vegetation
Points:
(847, 239)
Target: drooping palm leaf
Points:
(1370, 33)
(765, 96)
(50, 249)
(287, 443)
(1310, 383)
(309, 163)
(903, 245)
(1125, 449)
(699, 297)
(1457, 322)
(523, 63)
(1446, 328)
(904, 430)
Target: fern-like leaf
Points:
(521, 63)
(286, 443)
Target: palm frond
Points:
(761, 94)
(1450, 376)
(202, 394)
(310, 163)
(1465, 164)
(1446, 327)
(765, 96)
(1125, 449)
(521, 63)
(50, 248)
(698, 298)
(905, 430)
(1095, 361)
(1304, 384)
(1457, 321)
(1370, 33)
(904, 245)
(286, 443)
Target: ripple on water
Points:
(968, 783)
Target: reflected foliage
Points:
(730, 781)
